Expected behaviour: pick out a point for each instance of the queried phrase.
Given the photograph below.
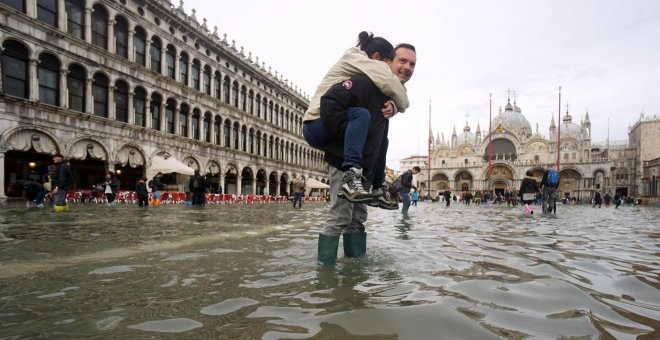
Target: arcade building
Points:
(113, 85)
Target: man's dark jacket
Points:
(358, 91)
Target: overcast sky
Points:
(604, 54)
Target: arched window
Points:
(183, 68)
(226, 130)
(195, 74)
(258, 143)
(183, 120)
(243, 139)
(251, 141)
(140, 44)
(170, 106)
(270, 111)
(140, 106)
(121, 101)
(282, 121)
(243, 98)
(49, 80)
(234, 93)
(100, 93)
(75, 18)
(18, 5)
(270, 147)
(225, 89)
(154, 51)
(217, 86)
(217, 124)
(156, 101)
(100, 27)
(258, 104)
(121, 37)
(47, 12)
(170, 57)
(207, 80)
(207, 127)
(251, 102)
(195, 124)
(75, 83)
(235, 133)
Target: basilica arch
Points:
(463, 181)
(440, 182)
(570, 182)
(500, 177)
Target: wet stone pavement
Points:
(250, 272)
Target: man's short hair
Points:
(404, 45)
(416, 168)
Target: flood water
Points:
(250, 272)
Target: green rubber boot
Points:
(328, 245)
(355, 245)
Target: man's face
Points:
(403, 65)
(57, 159)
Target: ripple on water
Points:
(228, 306)
(177, 325)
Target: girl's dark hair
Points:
(370, 45)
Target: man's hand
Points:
(388, 110)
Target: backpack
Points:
(553, 178)
(397, 185)
(151, 184)
(195, 183)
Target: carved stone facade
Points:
(112, 84)
(461, 162)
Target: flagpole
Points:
(559, 132)
(430, 142)
(490, 135)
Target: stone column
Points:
(189, 124)
(88, 24)
(211, 130)
(131, 109)
(254, 186)
(64, 90)
(148, 113)
(239, 184)
(222, 182)
(163, 120)
(61, 16)
(131, 48)
(211, 85)
(175, 119)
(2, 174)
(111, 102)
(147, 53)
(34, 80)
(163, 60)
(31, 8)
(111, 166)
(89, 98)
(190, 84)
(111, 35)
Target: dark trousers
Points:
(110, 197)
(199, 199)
(143, 200)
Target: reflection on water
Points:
(249, 272)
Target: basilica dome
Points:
(570, 129)
(466, 137)
(513, 120)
